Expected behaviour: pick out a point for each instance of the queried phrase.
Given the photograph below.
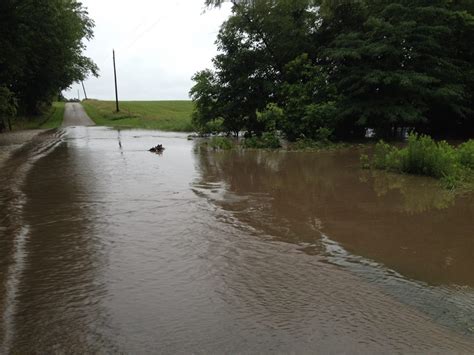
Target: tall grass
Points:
(51, 118)
(454, 166)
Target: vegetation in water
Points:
(162, 115)
(345, 66)
(41, 45)
(220, 143)
(268, 140)
(454, 166)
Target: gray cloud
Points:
(159, 46)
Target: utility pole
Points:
(84, 88)
(116, 90)
(78, 95)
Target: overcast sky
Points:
(159, 45)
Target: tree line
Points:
(41, 52)
(310, 69)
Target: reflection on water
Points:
(406, 223)
(389, 229)
(105, 247)
(419, 194)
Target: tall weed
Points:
(424, 156)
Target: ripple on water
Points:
(216, 252)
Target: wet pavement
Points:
(75, 115)
(105, 247)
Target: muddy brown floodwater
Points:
(105, 247)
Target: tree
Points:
(405, 67)
(256, 44)
(42, 45)
(345, 66)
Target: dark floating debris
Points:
(158, 149)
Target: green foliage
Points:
(424, 156)
(212, 127)
(204, 94)
(7, 102)
(50, 118)
(256, 44)
(7, 107)
(322, 139)
(56, 116)
(405, 65)
(268, 140)
(344, 65)
(466, 154)
(162, 115)
(41, 45)
(386, 157)
(271, 117)
(324, 134)
(220, 143)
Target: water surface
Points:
(105, 247)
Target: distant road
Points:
(74, 115)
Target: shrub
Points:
(322, 139)
(221, 143)
(466, 154)
(270, 117)
(386, 157)
(424, 156)
(268, 140)
(324, 134)
(306, 143)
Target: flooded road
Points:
(105, 247)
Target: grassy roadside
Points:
(161, 115)
(51, 119)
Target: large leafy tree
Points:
(343, 65)
(42, 43)
(406, 65)
(256, 43)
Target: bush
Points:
(386, 157)
(306, 143)
(270, 117)
(220, 143)
(322, 139)
(466, 154)
(268, 140)
(424, 156)
(324, 134)
(211, 127)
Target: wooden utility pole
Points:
(116, 90)
(84, 88)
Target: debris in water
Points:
(158, 149)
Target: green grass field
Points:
(51, 119)
(161, 115)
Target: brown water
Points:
(105, 247)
